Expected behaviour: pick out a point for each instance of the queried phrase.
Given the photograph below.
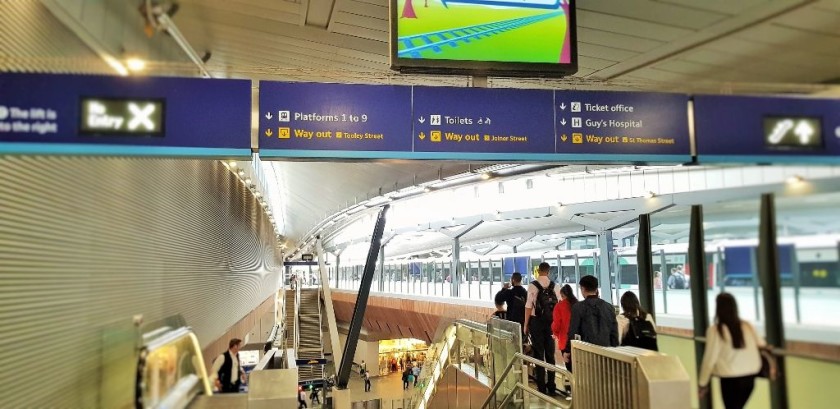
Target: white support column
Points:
(605, 246)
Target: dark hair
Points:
(589, 283)
(516, 277)
(631, 306)
(544, 267)
(234, 342)
(727, 314)
(567, 292)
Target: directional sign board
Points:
(646, 126)
(333, 120)
(771, 129)
(307, 120)
(491, 124)
(98, 115)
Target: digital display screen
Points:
(536, 36)
(793, 132)
(108, 116)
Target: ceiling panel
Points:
(811, 19)
(51, 48)
(373, 23)
(719, 6)
(622, 41)
(654, 11)
(629, 26)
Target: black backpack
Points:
(640, 334)
(546, 301)
(516, 304)
(679, 282)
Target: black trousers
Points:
(736, 391)
(231, 387)
(367, 385)
(542, 348)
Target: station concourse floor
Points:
(386, 387)
(389, 388)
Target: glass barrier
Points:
(505, 341)
(808, 235)
(171, 369)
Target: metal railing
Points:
(498, 338)
(515, 362)
(297, 318)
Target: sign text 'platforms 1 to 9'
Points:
(303, 119)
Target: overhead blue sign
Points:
(99, 115)
(312, 120)
(623, 125)
(489, 124)
(771, 129)
(334, 120)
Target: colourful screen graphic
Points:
(503, 31)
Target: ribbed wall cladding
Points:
(87, 243)
(33, 40)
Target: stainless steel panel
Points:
(609, 378)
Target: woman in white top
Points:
(632, 310)
(731, 354)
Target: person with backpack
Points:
(562, 317)
(635, 326)
(677, 280)
(515, 298)
(593, 319)
(406, 373)
(539, 314)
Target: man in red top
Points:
(562, 318)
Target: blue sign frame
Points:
(304, 120)
(731, 129)
(41, 114)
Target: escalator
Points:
(310, 337)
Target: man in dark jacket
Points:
(593, 319)
(514, 298)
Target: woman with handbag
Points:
(732, 354)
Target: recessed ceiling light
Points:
(795, 179)
(135, 64)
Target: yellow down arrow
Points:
(564, 138)
(269, 133)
